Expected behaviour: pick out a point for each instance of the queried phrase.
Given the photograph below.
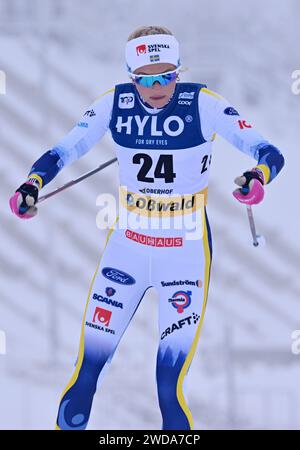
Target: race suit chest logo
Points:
(186, 95)
(147, 125)
(181, 300)
(186, 98)
(117, 276)
(162, 206)
(193, 319)
(126, 100)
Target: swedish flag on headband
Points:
(154, 58)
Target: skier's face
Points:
(157, 96)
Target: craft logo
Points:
(102, 316)
(181, 300)
(180, 324)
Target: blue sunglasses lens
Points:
(163, 79)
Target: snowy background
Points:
(58, 56)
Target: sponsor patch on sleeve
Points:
(230, 111)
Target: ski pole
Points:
(77, 180)
(257, 239)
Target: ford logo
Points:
(117, 276)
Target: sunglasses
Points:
(148, 80)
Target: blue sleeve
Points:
(47, 166)
(271, 157)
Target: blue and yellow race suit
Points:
(164, 160)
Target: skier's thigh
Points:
(118, 287)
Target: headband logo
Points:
(141, 49)
(157, 47)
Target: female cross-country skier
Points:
(163, 131)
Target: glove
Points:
(23, 201)
(252, 190)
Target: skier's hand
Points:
(251, 189)
(23, 201)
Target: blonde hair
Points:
(148, 30)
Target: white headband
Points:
(152, 49)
